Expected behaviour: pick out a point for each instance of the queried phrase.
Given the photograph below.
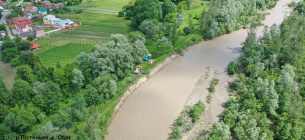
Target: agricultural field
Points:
(95, 29)
(64, 54)
(102, 5)
(8, 73)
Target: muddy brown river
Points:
(149, 112)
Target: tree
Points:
(187, 30)
(28, 118)
(9, 54)
(8, 45)
(78, 106)
(139, 51)
(4, 94)
(112, 87)
(24, 46)
(213, 29)
(6, 133)
(180, 18)
(78, 78)
(22, 93)
(13, 122)
(47, 96)
(220, 131)
(275, 31)
(47, 130)
(25, 73)
(149, 29)
(168, 7)
(91, 95)
(163, 44)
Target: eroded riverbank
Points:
(151, 109)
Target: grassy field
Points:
(102, 5)
(64, 54)
(8, 73)
(95, 29)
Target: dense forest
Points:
(269, 93)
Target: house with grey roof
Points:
(49, 19)
(67, 23)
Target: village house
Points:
(67, 23)
(3, 3)
(43, 11)
(31, 9)
(23, 24)
(34, 17)
(2, 33)
(58, 5)
(27, 14)
(34, 46)
(50, 19)
(48, 4)
(37, 32)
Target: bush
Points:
(233, 68)
(176, 133)
(179, 121)
(209, 100)
(197, 111)
(15, 62)
(121, 14)
(212, 87)
(194, 39)
(187, 30)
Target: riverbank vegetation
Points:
(269, 92)
(188, 117)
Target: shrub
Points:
(121, 14)
(233, 68)
(176, 133)
(179, 122)
(209, 100)
(187, 30)
(197, 111)
(194, 39)
(212, 87)
(15, 62)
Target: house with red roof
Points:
(3, 3)
(34, 46)
(25, 12)
(31, 9)
(23, 24)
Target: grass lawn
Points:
(8, 73)
(102, 5)
(64, 54)
(48, 29)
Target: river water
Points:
(149, 112)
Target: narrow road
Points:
(19, 3)
(9, 32)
